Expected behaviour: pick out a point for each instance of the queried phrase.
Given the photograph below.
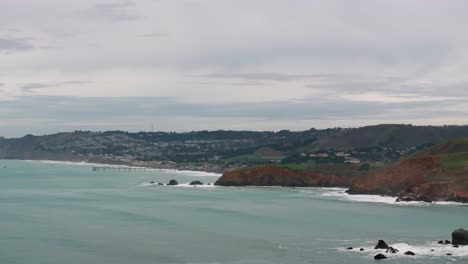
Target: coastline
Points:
(122, 165)
(374, 198)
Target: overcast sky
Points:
(182, 65)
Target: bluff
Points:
(418, 179)
(271, 175)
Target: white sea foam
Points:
(431, 249)
(89, 164)
(184, 185)
(341, 194)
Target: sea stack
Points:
(381, 245)
(460, 237)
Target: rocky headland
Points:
(418, 179)
(272, 175)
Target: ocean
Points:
(52, 212)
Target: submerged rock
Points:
(441, 242)
(410, 253)
(380, 256)
(381, 245)
(361, 249)
(392, 250)
(151, 182)
(173, 182)
(350, 248)
(196, 183)
(447, 242)
(460, 237)
(160, 183)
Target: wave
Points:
(90, 164)
(430, 249)
(365, 198)
(183, 185)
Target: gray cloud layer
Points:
(260, 64)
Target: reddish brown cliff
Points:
(421, 179)
(278, 176)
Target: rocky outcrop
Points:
(392, 250)
(278, 176)
(173, 182)
(196, 183)
(380, 256)
(381, 245)
(460, 237)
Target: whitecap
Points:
(431, 249)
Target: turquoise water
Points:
(59, 213)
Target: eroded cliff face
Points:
(391, 181)
(421, 179)
(278, 176)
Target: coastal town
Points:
(211, 151)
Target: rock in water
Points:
(196, 183)
(392, 250)
(350, 248)
(447, 242)
(460, 237)
(410, 253)
(380, 256)
(381, 245)
(361, 249)
(173, 182)
(440, 242)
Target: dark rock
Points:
(173, 182)
(460, 237)
(409, 253)
(449, 254)
(361, 249)
(456, 246)
(432, 250)
(381, 245)
(447, 242)
(380, 256)
(196, 183)
(440, 242)
(392, 250)
(350, 248)
(152, 182)
(160, 183)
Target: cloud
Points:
(29, 88)
(12, 44)
(259, 63)
(117, 10)
(71, 113)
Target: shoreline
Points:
(375, 198)
(122, 165)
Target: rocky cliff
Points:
(419, 179)
(278, 176)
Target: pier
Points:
(121, 169)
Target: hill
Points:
(403, 136)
